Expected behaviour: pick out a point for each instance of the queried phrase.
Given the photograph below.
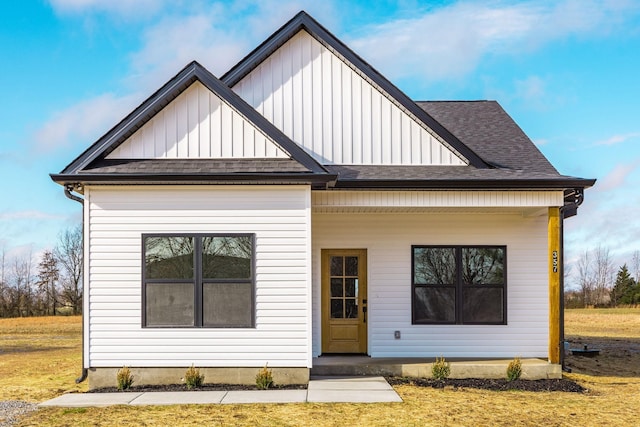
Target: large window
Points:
(459, 285)
(198, 280)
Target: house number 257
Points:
(554, 258)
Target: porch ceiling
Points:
(524, 211)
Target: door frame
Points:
(363, 329)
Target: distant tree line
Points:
(598, 285)
(51, 285)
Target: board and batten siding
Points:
(388, 237)
(280, 218)
(339, 116)
(197, 124)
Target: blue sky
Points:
(566, 70)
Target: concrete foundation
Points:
(106, 377)
(532, 369)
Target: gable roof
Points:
(83, 167)
(303, 21)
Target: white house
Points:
(302, 205)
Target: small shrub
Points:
(193, 378)
(264, 378)
(125, 378)
(514, 370)
(440, 369)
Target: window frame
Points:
(198, 281)
(459, 286)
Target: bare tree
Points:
(635, 266)
(22, 298)
(603, 275)
(48, 275)
(585, 278)
(68, 253)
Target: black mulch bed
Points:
(492, 384)
(205, 387)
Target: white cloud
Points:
(83, 122)
(449, 42)
(131, 9)
(618, 177)
(27, 215)
(617, 139)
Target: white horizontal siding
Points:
(280, 218)
(327, 200)
(339, 116)
(197, 124)
(388, 239)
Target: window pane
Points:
(350, 308)
(350, 287)
(434, 266)
(169, 304)
(483, 266)
(336, 266)
(227, 257)
(168, 258)
(482, 305)
(351, 266)
(434, 305)
(336, 287)
(336, 309)
(227, 304)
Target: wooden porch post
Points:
(555, 258)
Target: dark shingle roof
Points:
(490, 132)
(195, 166)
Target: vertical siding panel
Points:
(237, 147)
(416, 144)
(317, 102)
(215, 106)
(405, 140)
(347, 118)
(148, 149)
(357, 121)
(366, 125)
(386, 122)
(328, 140)
(249, 140)
(307, 92)
(193, 116)
(336, 80)
(226, 122)
(159, 136)
(182, 130)
(277, 89)
(298, 106)
(204, 118)
(170, 116)
(376, 128)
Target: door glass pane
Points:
(169, 304)
(227, 304)
(350, 288)
(434, 266)
(336, 266)
(483, 266)
(227, 257)
(168, 258)
(337, 309)
(336, 287)
(434, 305)
(351, 266)
(350, 308)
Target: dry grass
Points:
(612, 399)
(39, 357)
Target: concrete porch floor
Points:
(359, 365)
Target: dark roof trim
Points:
(167, 93)
(304, 21)
(449, 184)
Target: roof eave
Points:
(463, 184)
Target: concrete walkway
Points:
(320, 389)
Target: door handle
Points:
(364, 312)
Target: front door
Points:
(344, 301)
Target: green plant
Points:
(440, 369)
(514, 370)
(264, 378)
(193, 377)
(125, 378)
